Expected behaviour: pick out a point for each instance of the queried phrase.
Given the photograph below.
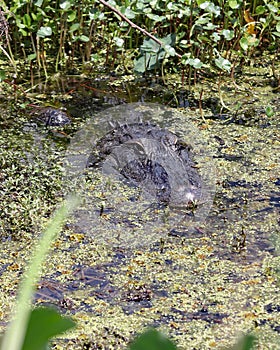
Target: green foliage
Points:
(86, 31)
(152, 54)
(44, 324)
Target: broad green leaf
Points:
(170, 50)
(23, 32)
(223, 63)
(44, 31)
(278, 26)
(44, 324)
(150, 45)
(94, 14)
(210, 26)
(140, 64)
(152, 340)
(170, 39)
(203, 20)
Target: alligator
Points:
(150, 157)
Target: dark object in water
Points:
(152, 158)
(50, 116)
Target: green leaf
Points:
(150, 45)
(118, 41)
(269, 111)
(140, 64)
(71, 16)
(194, 62)
(74, 27)
(223, 63)
(216, 37)
(129, 13)
(65, 5)
(233, 4)
(170, 50)
(31, 57)
(244, 43)
(44, 31)
(260, 10)
(228, 34)
(272, 8)
(44, 323)
(152, 340)
(156, 18)
(27, 20)
(276, 34)
(170, 39)
(278, 26)
(38, 3)
(84, 38)
(2, 75)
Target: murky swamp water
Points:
(204, 287)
